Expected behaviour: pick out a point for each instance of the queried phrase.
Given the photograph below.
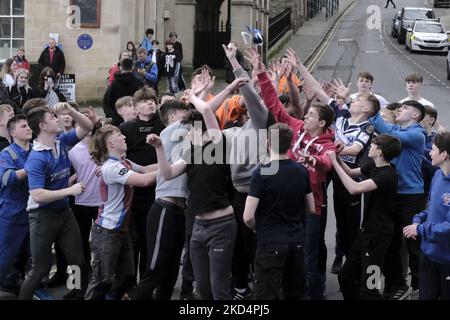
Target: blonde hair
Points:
(98, 148)
(123, 102)
(25, 72)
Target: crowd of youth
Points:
(122, 198)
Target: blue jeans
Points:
(313, 278)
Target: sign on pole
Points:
(66, 86)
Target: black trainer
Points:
(337, 265)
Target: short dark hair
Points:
(149, 31)
(36, 117)
(155, 42)
(127, 64)
(194, 116)
(168, 108)
(325, 114)
(373, 101)
(32, 104)
(144, 94)
(285, 136)
(394, 106)
(442, 142)
(432, 112)
(389, 145)
(416, 105)
(366, 75)
(200, 69)
(14, 120)
(414, 77)
(173, 34)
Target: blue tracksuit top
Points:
(151, 69)
(434, 223)
(13, 193)
(409, 163)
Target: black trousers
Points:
(361, 272)
(389, 1)
(434, 280)
(165, 241)
(112, 266)
(187, 271)
(138, 233)
(406, 207)
(85, 216)
(48, 226)
(279, 267)
(347, 209)
(245, 245)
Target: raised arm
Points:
(168, 171)
(309, 79)
(85, 125)
(208, 115)
(408, 138)
(351, 185)
(294, 95)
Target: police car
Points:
(427, 36)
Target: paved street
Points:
(354, 48)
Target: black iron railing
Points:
(279, 25)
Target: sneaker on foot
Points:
(402, 293)
(241, 293)
(337, 265)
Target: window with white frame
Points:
(12, 27)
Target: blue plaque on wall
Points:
(85, 42)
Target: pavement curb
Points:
(325, 36)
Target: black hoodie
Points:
(124, 84)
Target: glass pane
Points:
(16, 44)
(18, 27)
(18, 7)
(5, 51)
(5, 8)
(5, 27)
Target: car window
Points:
(429, 28)
(418, 14)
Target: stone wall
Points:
(90, 66)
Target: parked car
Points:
(395, 24)
(439, 3)
(427, 36)
(410, 14)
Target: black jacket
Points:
(125, 84)
(20, 95)
(59, 62)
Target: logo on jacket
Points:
(446, 198)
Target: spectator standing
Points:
(53, 57)
(22, 62)
(147, 41)
(7, 72)
(21, 91)
(171, 59)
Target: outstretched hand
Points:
(63, 108)
(252, 56)
(293, 58)
(238, 83)
(340, 89)
(230, 51)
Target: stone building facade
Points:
(125, 20)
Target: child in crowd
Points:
(113, 262)
(374, 238)
(276, 208)
(432, 227)
(126, 109)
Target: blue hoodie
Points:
(151, 76)
(409, 163)
(147, 44)
(434, 223)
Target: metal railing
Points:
(279, 25)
